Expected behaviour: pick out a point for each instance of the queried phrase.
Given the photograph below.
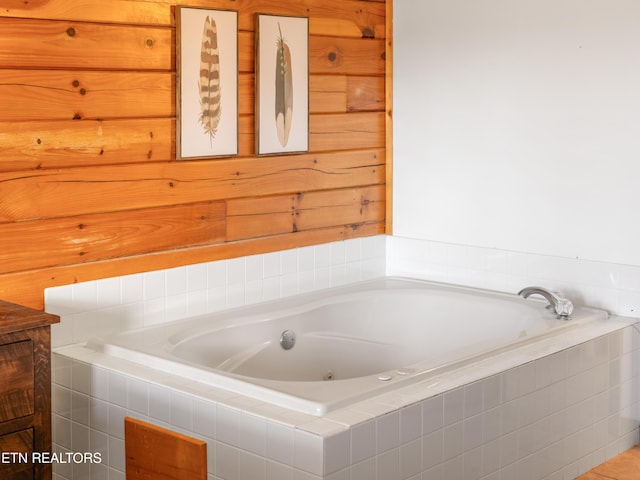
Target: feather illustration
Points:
(284, 90)
(209, 84)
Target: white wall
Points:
(517, 125)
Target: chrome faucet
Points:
(562, 306)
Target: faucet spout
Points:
(562, 306)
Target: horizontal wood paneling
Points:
(66, 143)
(89, 184)
(84, 45)
(256, 217)
(38, 194)
(79, 239)
(343, 18)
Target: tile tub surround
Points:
(608, 286)
(427, 431)
(552, 412)
(123, 303)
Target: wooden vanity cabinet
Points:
(25, 391)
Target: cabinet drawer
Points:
(15, 460)
(16, 380)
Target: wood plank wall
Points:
(89, 184)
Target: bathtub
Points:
(343, 344)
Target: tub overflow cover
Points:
(287, 339)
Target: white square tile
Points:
(308, 452)
(116, 420)
(388, 465)
(490, 457)
(196, 277)
(338, 253)
(453, 436)
(432, 414)
(61, 428)
(472, 464)
(338, 275)
(288, 284)
(337, 452)
(99, 444)
(98, 415)
(116, 454)
(154, 285)
(228, 422)
(365, 470)
(80, 408)
(526, 378)
(196, 303)
(132, 288)
(374, 246)
(236, 270)
(175, 307)
(363, 441)
(253, 292)
(271, 264)
(432, 449)
(81, 377)
(453, 406)
(85, 296)
(253, 434)
(472, 432)
(79, 437)
(99, 383)
(278, 471)
(181, 410)
(510, 385)
(160, 403)
(252, 466)
(491, 424)
(306, 259)
(473, 398)
(216, 274)
(108, 291)
(280, 443)
(59, 300)
(117, 389)
(323, 278)
(235, 295)
(61, 333)
(410, 422)
(492, 392)
(154, 311)
(254, 268)
(387, 432)
(353, 250)
(410, 459)
(61, 400)
(288, 262)
(323, 256)
(204, 417)
(353, 272)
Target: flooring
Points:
(625, 466)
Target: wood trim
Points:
(389, 117)
(154, 452)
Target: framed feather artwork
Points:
(282, 84)
(206, 83)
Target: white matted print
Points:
(282, 84)
(207, 83)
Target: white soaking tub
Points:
(351, 342)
